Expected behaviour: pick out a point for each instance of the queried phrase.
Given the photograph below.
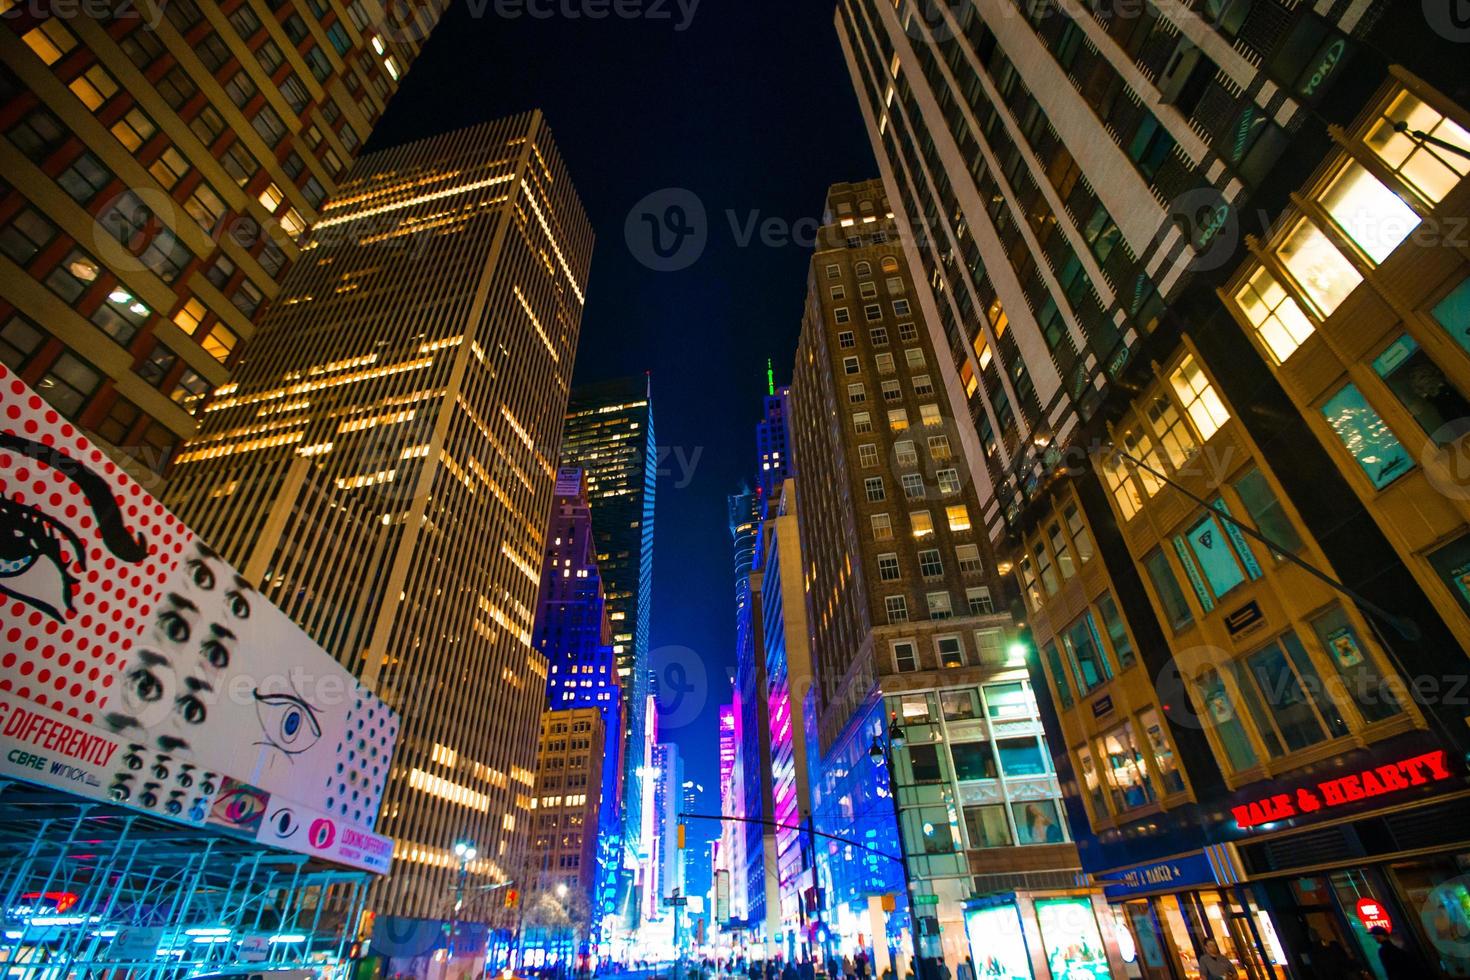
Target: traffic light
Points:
(681, 837)
(512, 898)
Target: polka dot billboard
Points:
(136, 660)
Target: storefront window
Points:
(1163, 752)
(959, 705)
(1082, 644)
(1070, 939)
(973, 760)
(1429, 169)
(1364, 433)
(1354, 666)
(1148, 940)
(997, 944)
(987, 826)
(1037, 822)
(1324, 274)
(1373, 216)
(1022, 757)
(1421, 387)
(1219, 714)
(1171, 597)
(1172, 919)
(1438, 889)
(1126, 770)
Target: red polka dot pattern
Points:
(72, 663)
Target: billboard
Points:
(137, 666)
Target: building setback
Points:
(1193, 275)
(163, 163)
(384, 467)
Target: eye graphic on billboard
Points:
(137, 666)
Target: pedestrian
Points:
(848, 970)
(861, 962)
(944, 973)
(1398, 962)
(808, 969)
(1213, 966)
(888, 971)
(789, 972)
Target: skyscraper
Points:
(163, 162)
(574, 635)
(773, 440)
(909, 629)
(1189, 267)
(384, 466)
(609, 434)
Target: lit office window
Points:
(1323, 272)
(1201, 403)
(1431, 171)
(1274, 314)
(1373, 216)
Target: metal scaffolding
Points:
(91, 889)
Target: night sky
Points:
(750, 108)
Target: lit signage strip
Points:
(1431, 767)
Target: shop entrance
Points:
(1171, 932)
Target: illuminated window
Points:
(922, 523)
(1140, 447)
(1274, 314)
(1201, 404)
(1028, 581)
(905, 453)
(50, 40)
(929, 414)
(1163, 752)
(958, 516)
(1323, 272)
(134, 129)
(1373, 216)
(1117, 474)
(1431, 171)
(882, 527)
(169, 168)
(190, 315)
(220, 343)
(951, 651)
(271, 198)
(1127, 772)
(898, 419)
(94, 87)
(1363, 433)
(949, 481)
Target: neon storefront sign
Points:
(1394, 777)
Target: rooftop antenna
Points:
(770, 378)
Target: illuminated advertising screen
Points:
(996, 943)
(1069, 935)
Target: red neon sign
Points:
(1431, 767)
(1373, 915)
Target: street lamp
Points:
(465, 851)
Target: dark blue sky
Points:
(750, 108)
